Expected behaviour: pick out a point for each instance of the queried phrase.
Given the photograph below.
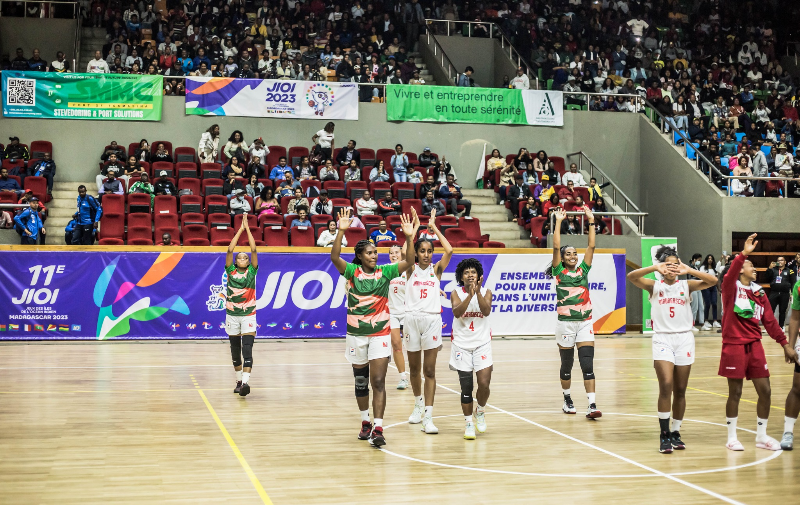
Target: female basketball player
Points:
(574, 308)
(368, 341)
(240, 308)
(746, 307)
(673, 339)
(397, 309)
(471, 349)
(793, 398)
(423, 323)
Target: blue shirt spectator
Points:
(381, 234)
(7, 184)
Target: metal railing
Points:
(702, 161)
(635, 99)
(638, 215)
(505, 43)
(14, 205)
(439, 54)
(46, 9)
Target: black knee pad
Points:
(247, 349)
(586, 359)
(362, 381)
(567, 360)
(236, 350)
(465, 378)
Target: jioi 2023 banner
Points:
(172, 295)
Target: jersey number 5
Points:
(672, 312)
(423, 293)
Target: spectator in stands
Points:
(97, 65)
(574, 176)
(325, 139)
(30, 223)
(117, 150)
(111, 185)
(37, 64)
(431, 203)
(353, 172)
(257, 148)
(366, 206)
(236, 147)
(397, 77)
(328, 172)
(760, 169)
(278, 172)
(16, 151)
(302, 217)
(552, 173)
(298, 201)
(522, 161)
(519, 191)
(253, 188)
(328, 236)
(465, 79)
(9, 185)
(595, 192)
(305, 171)
(131, 169)
(389, 206)
(166, 240)
(209, 145)
(46, 168)
(256, 168)
(266, 203)
(571, 226)
(428, 160)
(379, 173)
(288, 185)
(567, 193)
(161, 154)
(112, 164)
(495, 162)
(142, 153)
(239, 204)
(381, 234)
(348, 154)
(414, 175)
(430, 184)
(416, 79)
(321, 204)
(451, 192)
(399, 163)
(236, 166)
(164, 186)
(530, 210)
(520, 81)
(60, 64)
(231, 185)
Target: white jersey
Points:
(472, 329)
(422, 291)
(397, 295)
(671, 309)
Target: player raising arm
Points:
(368, 342)
(240, 307)
(673, 338)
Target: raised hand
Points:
(432, 221)
(344, 219)
(750, 244)
(407, 225)
(663, 268)
(588, 212)
(480, 284)
(245, 223)
(561, 214)
(680, 268)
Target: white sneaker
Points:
(480, 421)
(416, 416)
(469, 432)
(735, 445)
(706, 326)
(428, 426)
(769, 444)
(716, 325)
(403, 384)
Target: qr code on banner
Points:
(21, 92)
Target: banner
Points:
(172, 295)
(650, 246)
(406, 102)
(222, 96)
(53, 95)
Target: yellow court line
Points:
(249, 471)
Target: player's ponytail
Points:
(362, 244)
(548, 270)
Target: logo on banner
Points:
(547, 107)
(216, 300)
(319, 96)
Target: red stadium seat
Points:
(211, 187)
(193, 218)
(185, 154)
(388, 244)
(197, 242)
(140, 241)
(243, 240)
(371, 219)
(445, 222)
(219, 220)
(221, 236)
(190, 183)
(454, 235)
(193, 203)
(472, 226)
(466, 244)
(186, 169)
(407, 204)
(403, 190)
(216, 204)
(271, 220)
(616, 223)
(112, 225)
(113, 204)
(164, 166)
(37, 186)
(252, 221)
(140, 219)
(558, 164)
(491, 244)
(166, 220)
(138, 203)
(365, 171)
(275, 153)
(165, 205)
(356, 189)
(385, 155)
(302, 236)
(378, 189)
(353, 235)
(276, 236)
(335, 189)
(111, 241)
(195, 231)
(211, 171)
(296, 152)
(307, 183)
(39, 147)
(140, 233)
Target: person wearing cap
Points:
(239, 204)
(29, 223)
(289, 184)
(416, 79)
(164, 186)
(548, 189)
(111, 185)
(426, 159)
(321, 204)
(573, 86)
(784, 161)
(16, 151)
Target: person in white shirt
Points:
(638, 26)
(574, 176)
(325, 139)
(328, 236)
(783, 161)
(259, 149)
(366, 206)
(520, 81)
(98, 65)
(133, 58)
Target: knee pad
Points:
(567, 360)
(247, 349)
(236, 351)
(465, 378)
(586, 359)
(362, 381)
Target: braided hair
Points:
(664, 252)
(464, 265)
(362, 244)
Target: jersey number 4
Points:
(423, 293)
(472, 325)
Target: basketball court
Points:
(131, 422)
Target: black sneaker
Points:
(677, 443)
(377, 440)
(238, 387)
(666, 444)
(244, 390)
(366, 429)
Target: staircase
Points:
(62, 207)
(494, 218)
(92, 39)
(424, 72)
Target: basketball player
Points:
(240, 308)
(793, 399)
(471, 349)
(746, 307)
(368, 341)
(423, 323)
(673, 339)
(397, 309)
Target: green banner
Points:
(52, 95)
(649, 247)
(406, 102)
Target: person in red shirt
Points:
(746, 307)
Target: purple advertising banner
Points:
(173, 295)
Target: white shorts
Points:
(569, 333)
(362, 350)
(423, 331)
(396, 321)
(240, 325)
(470, 360)
(677, 348)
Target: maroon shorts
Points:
(743, 361)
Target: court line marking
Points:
(249, 471)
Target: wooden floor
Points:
(158, 423)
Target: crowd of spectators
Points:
(26, 178)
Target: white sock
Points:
(245, 377)
(468, 419)
(418, 401)
(788, 424)
(481, 408)
(676, 424)
(731, 422)
(663, 415)
(404, 375)
(566, 392)
(238, 375)
(761, 428)
(365, 415)
(429, 411)
(590, 396)
(378, 422)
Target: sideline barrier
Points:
(105, 293)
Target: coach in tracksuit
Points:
(781, 278)
(85, 223)
(30, 223)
